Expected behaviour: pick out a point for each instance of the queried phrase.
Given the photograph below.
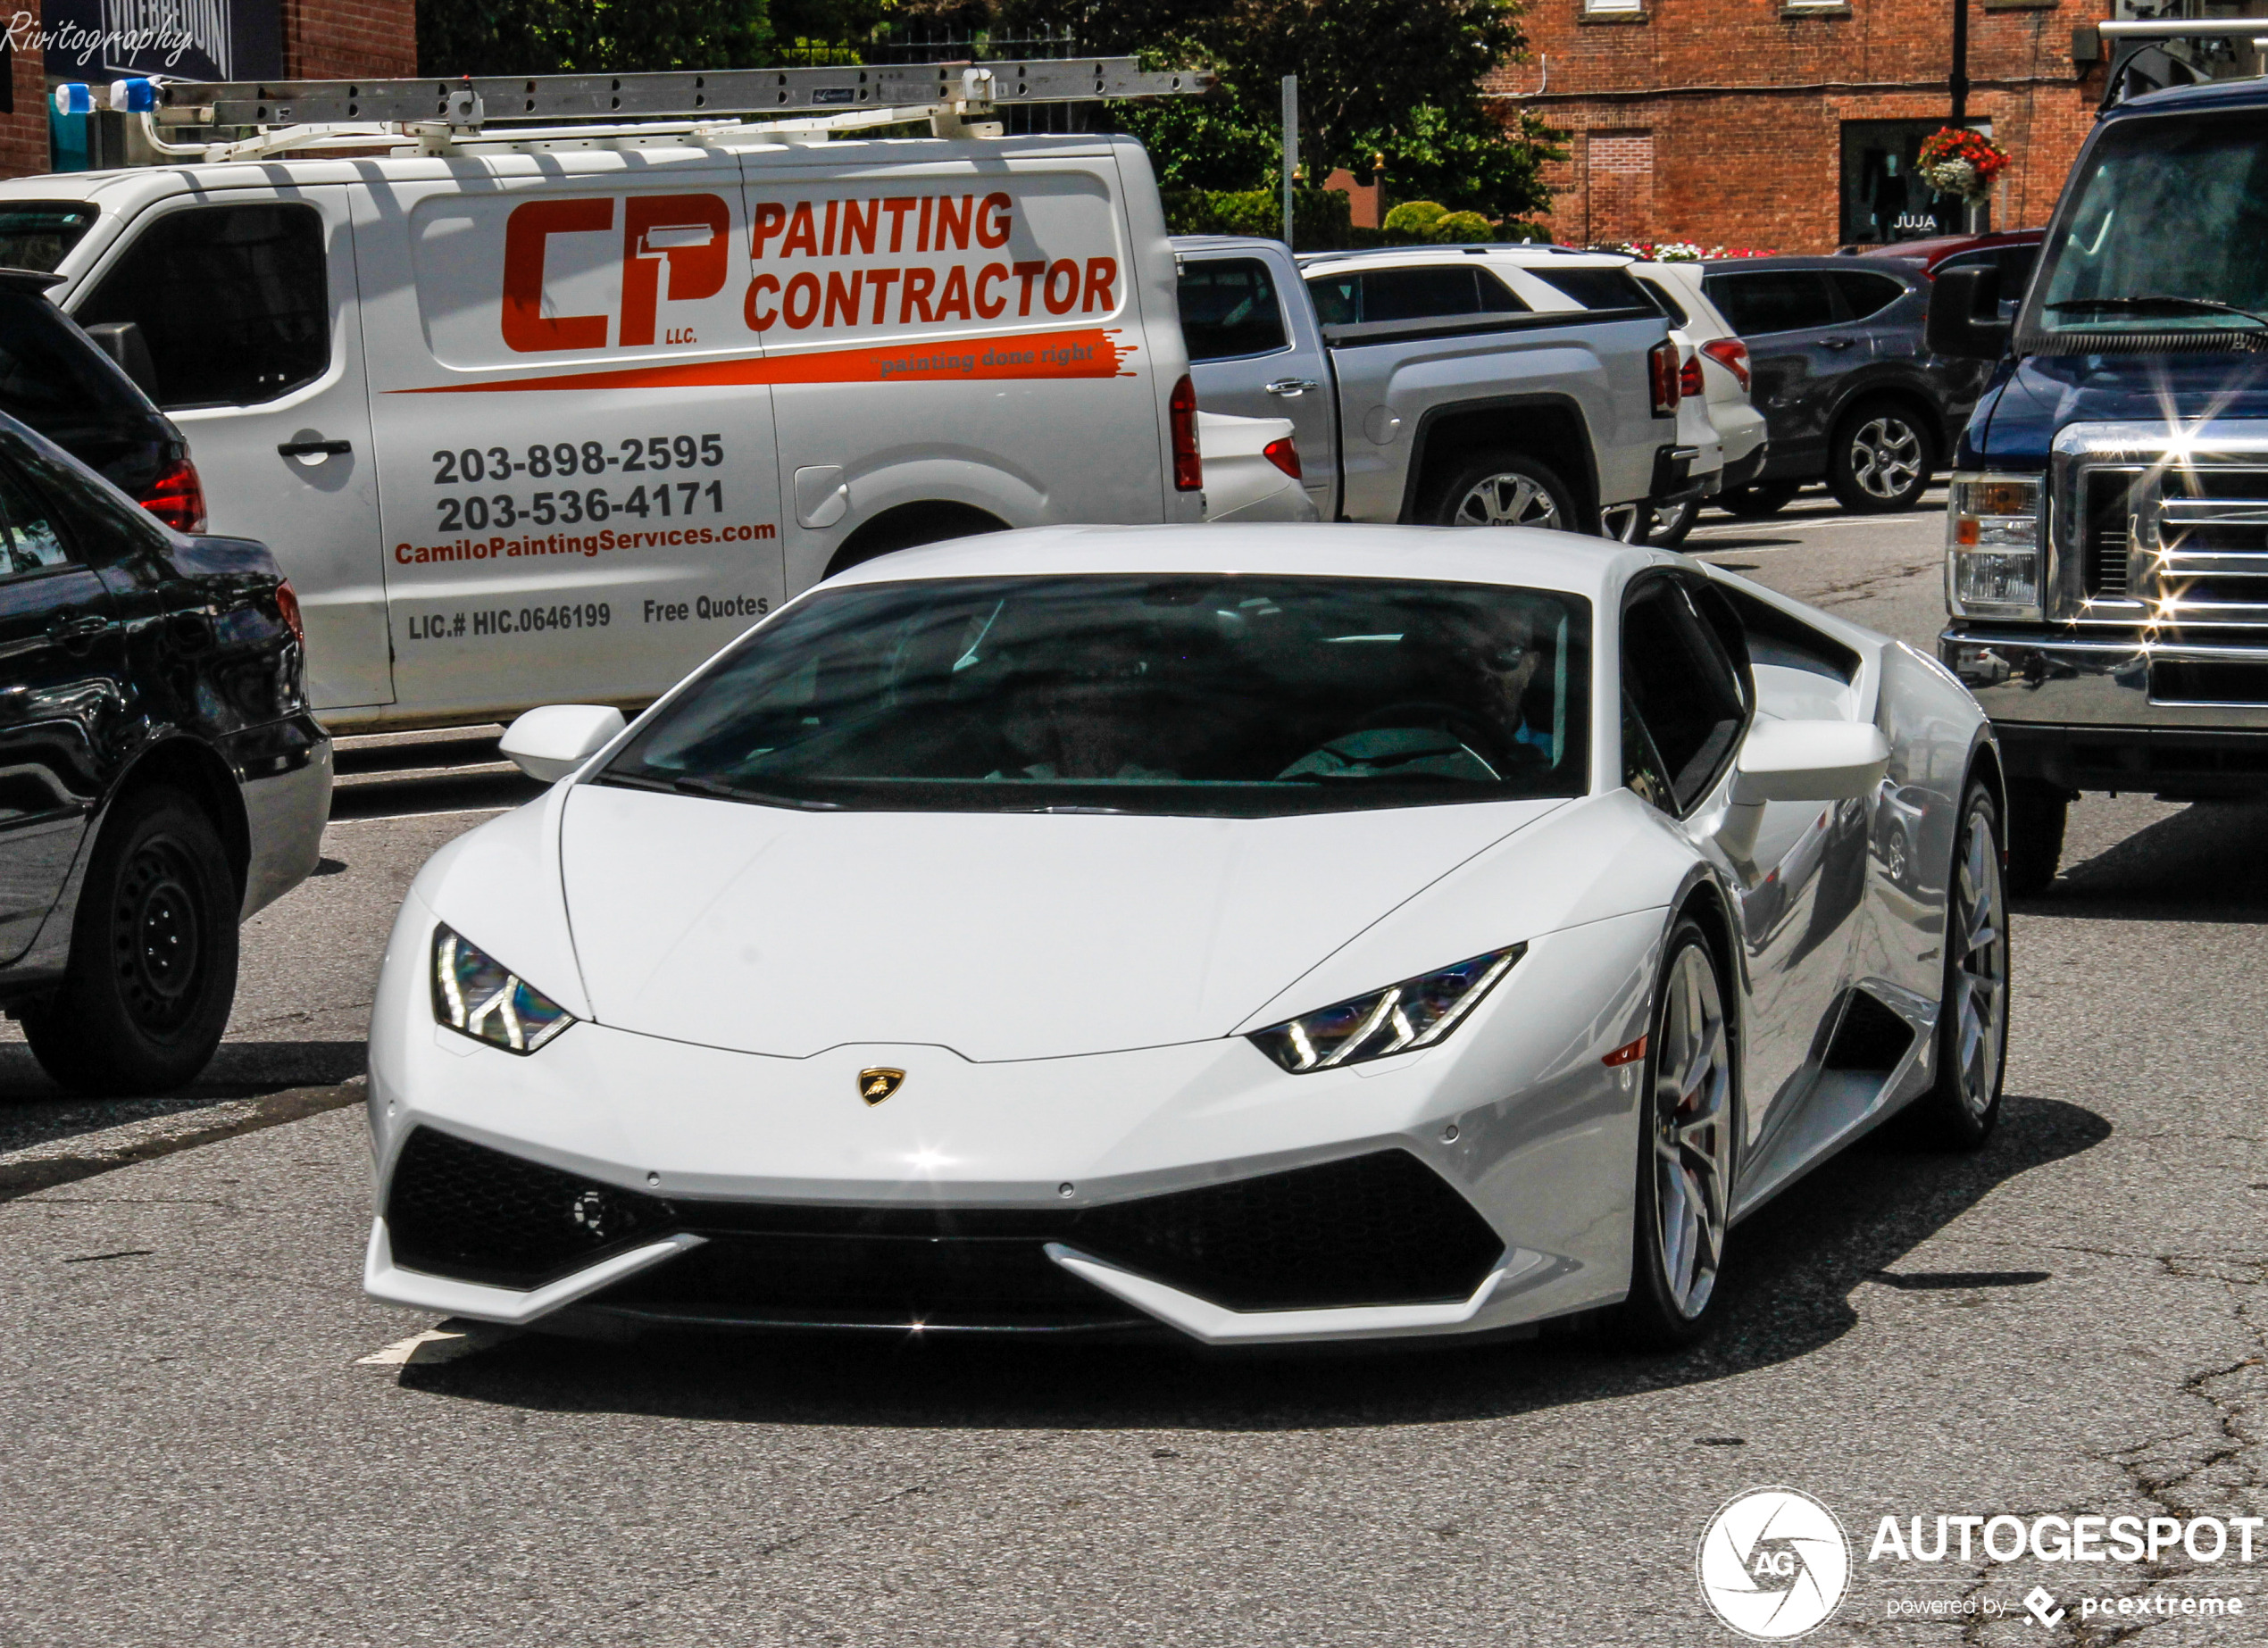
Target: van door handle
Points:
(1289, 387)
(308, 449)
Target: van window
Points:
(39, 234)
(234, 302)
(1228, 309)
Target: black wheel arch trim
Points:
(1549, 401)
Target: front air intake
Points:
(465, 1210)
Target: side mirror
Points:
(123, 342)
(1964, 321)
(1799, 761)
(551, 742)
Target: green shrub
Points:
(1415, 218)
(1319, 217)
(1464, 228)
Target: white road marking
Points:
(446, 1343)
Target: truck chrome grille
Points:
(2212, 539)
(2106, 528)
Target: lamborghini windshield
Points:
(1228, 696)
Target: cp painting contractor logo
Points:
(1773, 1563)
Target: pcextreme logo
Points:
(1773, 1564)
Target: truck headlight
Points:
(1995, 546)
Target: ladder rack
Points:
(469, 101)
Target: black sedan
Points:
(160, 777)
(1849, 393)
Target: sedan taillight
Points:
(1662, 374)
(288, 605)
(1284, 454)
(1732, 354)
(176, 497)
(1689, 383)
(1181, 413)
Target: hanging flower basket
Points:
(1963, 163)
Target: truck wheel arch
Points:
(1551, 428)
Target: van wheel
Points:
(153, 969)
(1507, 489)
(1879, 460)
(2036, 816)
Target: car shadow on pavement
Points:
(2202, 863)
(1786, 1291)
(35, 1110)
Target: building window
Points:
(1595, 8)
(1884, 197)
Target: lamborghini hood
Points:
(999, 936)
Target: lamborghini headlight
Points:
(478, 996)
(1415, 1013)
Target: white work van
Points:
(532, 421)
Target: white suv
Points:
(1715, 377)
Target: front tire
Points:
(153, 969)
(1669, 526)
(1507, 489)
(1962, 1110)
(1880, 460)
(1686, 1129)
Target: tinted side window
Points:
(1678, 680)
(1595, 288)
(1418, 293)
(1496, 297)
(234, 302)
(1866, 294)
(1338, 298)
(1772, 300)
(29, 540)
(1228, 308)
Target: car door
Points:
(61, 654)
(249, 309)
(1254, 354)
(1687, 701)
(1799, 346)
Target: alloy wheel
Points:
(1692, 1122)
(1886, 455)
(1508, 500)
(1980, 994)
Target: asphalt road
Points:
(2070, 1322)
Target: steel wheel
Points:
(1692, 1128)
(1976, 938)
(1508, 500)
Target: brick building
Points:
(97, 40)
(1791, 124)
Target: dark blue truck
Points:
(2106, 542)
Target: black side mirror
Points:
(123, 342)
(1964, 321)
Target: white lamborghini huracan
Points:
(1263, 933)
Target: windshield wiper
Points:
(2160, 304)
(724, 789)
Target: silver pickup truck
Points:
(1473, 386)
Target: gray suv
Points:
(1850, 392)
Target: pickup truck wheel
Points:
(1879, 460)
(1507, 489)
(2036, 815)
(153, 969)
